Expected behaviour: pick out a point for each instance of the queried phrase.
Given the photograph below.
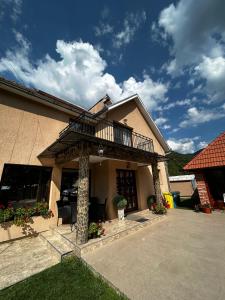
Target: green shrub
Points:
(150, 200)
(160, 209)
(119, 201)
(6, 214)
(95, 230)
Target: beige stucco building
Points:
(44, 140)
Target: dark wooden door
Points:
(126, 186)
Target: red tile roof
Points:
(212, 156)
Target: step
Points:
(60, 245)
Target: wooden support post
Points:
(83, 196)
(156, 182)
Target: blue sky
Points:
(172, 53)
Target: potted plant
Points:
(120, 202)
(160, 209)
(206, 208)
(95, 230)
(151, 200)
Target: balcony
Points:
(99, 129)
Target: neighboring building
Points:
(185, 184)
(209, 169)
(46, 144)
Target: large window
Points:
(23, 185)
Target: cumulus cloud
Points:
(131, 24)
(196, 29)
(78, 76)
(186, 145)
(192, 26)
(197, 116)
(213, 71)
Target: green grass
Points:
(70, 279)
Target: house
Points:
(185, 184)
(48, 144)
(209, 169)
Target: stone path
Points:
(23, 258)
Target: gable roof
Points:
(212, 156)
(146, 115)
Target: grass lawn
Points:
(70, 279)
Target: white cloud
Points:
(103, 29)
(78, 76)
(196, 29)
(192, 27)
(166, 126)
(151, 92)
(213, 71)
(161, 121)
(186, 145)
(202, 145)
(183, 102)
(197, 116)
(131, 24)
(15, 8)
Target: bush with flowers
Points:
(20, 216)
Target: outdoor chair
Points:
(97, 211)
(67, 212)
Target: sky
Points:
(171, 53)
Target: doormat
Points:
(142, 220)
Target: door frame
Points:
(135, 208)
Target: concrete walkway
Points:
(181, 258)
(23, 258)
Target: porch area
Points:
(64, 240)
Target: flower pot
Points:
(121, 214)
(207, 210)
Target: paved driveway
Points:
(183, 257)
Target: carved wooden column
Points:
(83, 196)
(156, 182)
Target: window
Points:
(24, 185)
(122, 134)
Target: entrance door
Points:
(126, 186)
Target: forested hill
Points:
(177, 161)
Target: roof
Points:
(147, 117)
(40, 96)
(182, 178)
(212, 156)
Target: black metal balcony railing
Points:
(109, 131)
